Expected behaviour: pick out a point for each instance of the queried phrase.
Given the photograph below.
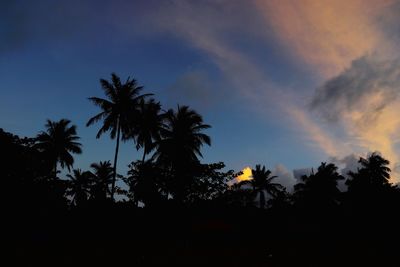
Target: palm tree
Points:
(79, 185)
(321, 188)
(181, 135)
(377, 168)
(262, 181)
(102, 178)
(179, 147)
(148, 126)
(59, 141)
(374, 174)
(118, 112)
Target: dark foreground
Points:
(203, 236)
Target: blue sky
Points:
(258, 71)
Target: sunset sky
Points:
(284, 83)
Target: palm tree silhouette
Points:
(181, 135)
(374, 174)
(320, 188)
(102, 179)
(79, 185)
(118, 113)
(179, 147)
(262, 181)
(59, 141)
(148, 126)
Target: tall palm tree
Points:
(148, 126)
(262, 181)
(118, 112)
(102, 178)
(59, 141)
(79, 185)
(179, 147)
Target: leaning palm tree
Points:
(118, 112)
(148, 126)
(179, 147)
(262, 181)
(59, 141)
(102, 179)
(79, 184)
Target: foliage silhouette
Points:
(262, 181)
(79, 186)
(118, 113)
(179, 147)
(319, 189)
(148, 125)
(102, 177)
(58, 142)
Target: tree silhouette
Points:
(372, 177)
(102, 179)
(148, 125)
(118, 112)
(58, 142)
(179, 147)
(320, 188)
(262, 181)
(79, 185)
(146, 183)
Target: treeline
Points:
(172, 184)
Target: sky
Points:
(283, 83)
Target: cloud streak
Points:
(346, 42)
(325, 34)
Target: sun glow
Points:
(246, 175)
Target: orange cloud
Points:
(327, 34)
(316, 134)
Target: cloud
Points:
(298, 173)
(353, 50)
(367, 86)
(325, 34)
(347, 164)
(284, 177)
(193, 88)
(364, 99)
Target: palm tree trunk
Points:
(115, 161)
(144, 154)
(55, 170)
(262, 199)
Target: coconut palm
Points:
(59, 141)
(321, 188)
(79, 184)
(179, 147)
(148, 126)
(182, 135)
(262, 181)
(118, 112)
(102, 179)
(374, 174)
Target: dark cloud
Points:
(193, 88)
(298, 173)
(352, 90)
(389, 22)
